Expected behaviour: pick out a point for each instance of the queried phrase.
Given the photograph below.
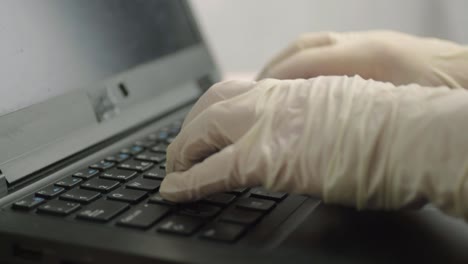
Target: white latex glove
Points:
(349, 141)
(379, 55)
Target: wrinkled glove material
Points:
(350, 141)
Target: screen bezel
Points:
(42, 134)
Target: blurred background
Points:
(244, 34)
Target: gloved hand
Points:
(349, 141)
(380, 55)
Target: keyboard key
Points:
(175, 127)
(255, 204)
(173, 131)
(100, 185)
(118, 175)
(50, 191)
(86, 173)
(224, 232)
(127, 195)
(180, 225)
(144, 217)
(159, 148)
(136, 165)
(159, 136)
(169, 140)
(155, 173)
(239, 191)
(146, 143)
(80, 196)
(241, 216)
(163, 166)
(144, 185)
(221, 199)
(28, 203)
(132, 150)
(102, 210)
(157, 198)
(69, 182)
(199, 210)
(151, 156)
(121, 157)
(58, 207)
(265, 194)
(102, 165)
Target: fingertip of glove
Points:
(173, 188)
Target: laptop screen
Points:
(49, 47)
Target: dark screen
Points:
(48, 47)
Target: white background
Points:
(244, 34)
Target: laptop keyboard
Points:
(122, 189)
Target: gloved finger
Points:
(331, 60)
(216, 93)
(216, 127)
(305, 41)
(217, 173)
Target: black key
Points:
(265, 194)
(28, 203)
(58, 207)
(132, 150)
(118, 175)
(144, 217)
(151, 156)
(136, 165)
(144, 184)
(221, 199)
(175, 127)
(86, 173)
(159, 148)
(169, 140)
(241, 216)
(80, 196)
(50, 191)
(155, 173)
(145, 143)
(199, 210)
(127, 195)
(102, 165)
(159, 136)
(255, 204)
(102, 210)
(163, 166)
(180, 225)
(173, 131)
(100, 185)
(68, 182)
(157, 198)
(121, 157)
(239, 191)
(224, 232)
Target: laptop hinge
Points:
(3, 185)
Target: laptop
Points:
(92, 92)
